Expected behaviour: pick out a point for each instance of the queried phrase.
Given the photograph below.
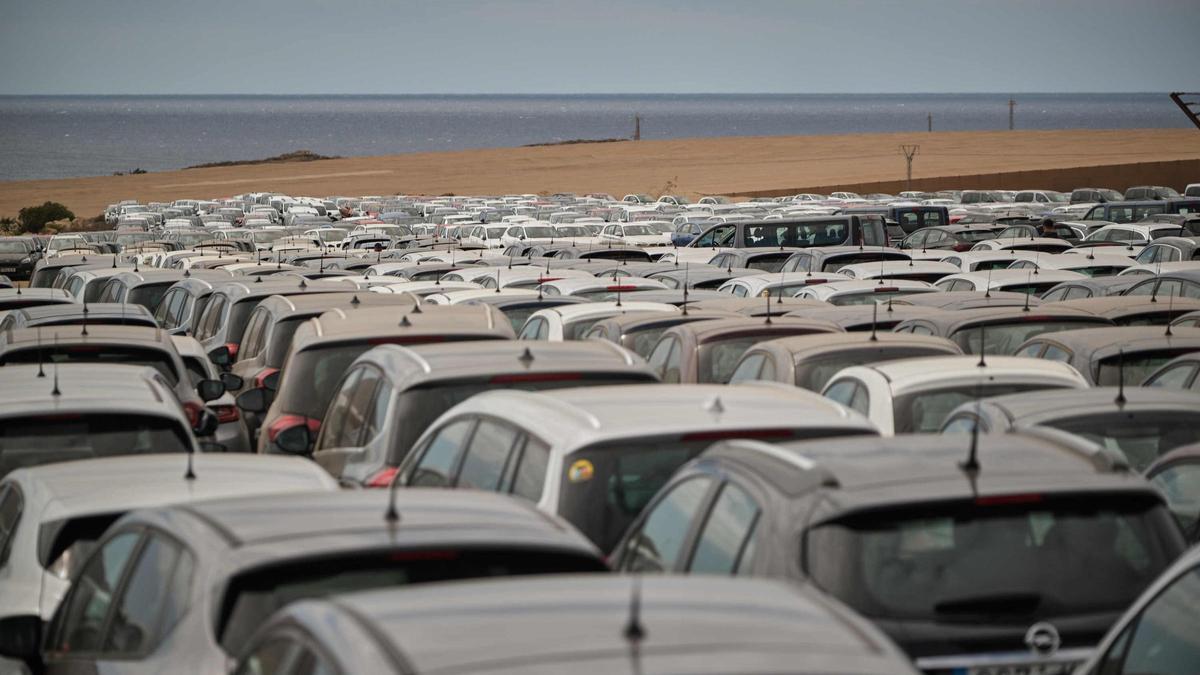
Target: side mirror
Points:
(220, 356)
(271, 382)
(21, 637)
(295, 440)
(252, 400)
(210, 390)
(207, 424)
(232, 382)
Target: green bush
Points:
(34, 218)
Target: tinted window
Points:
(10, 513)
(79, 621)
(436, 466)
(487, 456)
(1141, 435)
(531, 470)
(1136, 367)
(656, 547)
(1176, 377)
(337, 412)
(924, 412)
(1004, 338)
(31, 441)
(749, 368)
(158, 359)
(726, 533)
(139, 620)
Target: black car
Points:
(17, 258)
(1094, 196)
(1006, 551)
(956, 237)
(809, 231)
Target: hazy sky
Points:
(570, 46)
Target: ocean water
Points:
(64, 136)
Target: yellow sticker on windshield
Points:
(580, 471)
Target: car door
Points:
(1162, 637)
(659, 540)
(725, 542)
(438, 460)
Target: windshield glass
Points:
(254, 596)
(98, 353)
(815, 373)
(541, 232)
(14, 247)
(718, 358)
(924, 411)
(1004, 338)
(573, 231)
(638, 230)
(331, 234)
(939, 562)
(1137, 366)
(836, 262)
(820, 233)
(868, 297)
(32, 441)
(1141, 435)
(266, 236)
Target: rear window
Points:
(1004, 338)
(94, 353)
(924, 411)
(939, 562)
(718, 358)
(1141, 435)
(1137, 366)
(254, 596)
(769, 263)
(33, 441)
(821, 233)
(814, 373)
(149, 295)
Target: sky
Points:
(602, 46)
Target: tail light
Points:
(754, 434)
(1001, 500)
(962, 246)
(233, 350)
(284, 422)
(514, 378)
(226, 413)
(193, 410)
(382, 478)
(622, 288)
(886, 289)
(261, 378)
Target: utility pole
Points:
(909, 151)
(1011, 105)
(931, 121)
(637, 127)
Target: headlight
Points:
(26, 260)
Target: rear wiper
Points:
(996, 603)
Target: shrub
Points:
(34, 218)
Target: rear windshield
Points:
(814, 373)
(254, 596)
(420, 406)
(32, 441)
(924, 411)
(835, 263)
(975, 236)
(281, 340)
(769, 263)
(1137, 366)
(940, 562)
(718, 358)
(135, 356)
(822, 233)
(876, 296)
(605, 486)
(1141, 435)
(14, 247)
(1004, 338)
(149, 295)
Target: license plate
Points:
(8, 269)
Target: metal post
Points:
(637, 127)
(931, 121)
(909, 151)
(1011, 105)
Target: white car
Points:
(570, 322)
(916, 395)
(913, 270)
(487, 236)
(1043, 244)
(1130, 238)
(1090, 263)
(523, 276)
(63, 508)
(973, 261)
(633, 234)
(786, 283)
(529, 234)
(1030, 280)
(863, 292)
(600, 288)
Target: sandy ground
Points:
(691, 167)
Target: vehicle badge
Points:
(1042, 638)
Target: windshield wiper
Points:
(996, 603)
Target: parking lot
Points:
(950, 432)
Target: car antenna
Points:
(768, 321)
(987, 286)
(684, 308)
(1026, 307)
(1157, 273)
(634, 631)
(1170, 316)
(85, 316)
(1120, 400)
(618, 296)
(355, 302)
(41, 371)
(392, 516)
(982, 346)
(971, 466)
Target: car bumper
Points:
(1062, 662)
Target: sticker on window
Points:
(582, 470)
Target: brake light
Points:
(226, 413)
(959, 248)
(535, 377)
(192, 409)
(405, 556)
(65, 417)
(412, 340)
(810, 282)
(886, 289)
(260, 379)
(383, 477)
(233, 350)
(721, 435)
(622, 288)
(997, 500)
(285, 422)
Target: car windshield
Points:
(253, 596)
(266, 236)
(768, 263)
(14, 247)
(924, 411)
(836, 262)
(541, 232)
(149, 295)
(820, 233)
(1141, 435)
(1180, 483)
(875, 295)
(98, 353)
(718, 358)
(420, 406)
(638, 230)
(815, 373)
(975, 236)
(35, 440)
(1136, 366)
(940, 562)
(573, 231)
(1004, 338)
(331, 234)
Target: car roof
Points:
(74, 309)
(86, 486)
(444, 514)
(45, 294)
(705, 331)
(557, 623)
(585, 310)
(1115, 306)
(339, 325)
(575, 417)
(289, 305)
(412, 366)
(1107, 341)
(800, 347)
(84, 387)
(873, 472)
(905, 374)
(968, 299)
(950, 321)
(1030, 407)
(48, 336)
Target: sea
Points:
(67, 136)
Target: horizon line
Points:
(602, 93)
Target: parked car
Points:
(648, 624)
(596, 456)
(1177, 474)
(18, 256)
(867, 230)
(571, 322)
(708, 351)
(69, 314)
(999, 330)
(1109, 356)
